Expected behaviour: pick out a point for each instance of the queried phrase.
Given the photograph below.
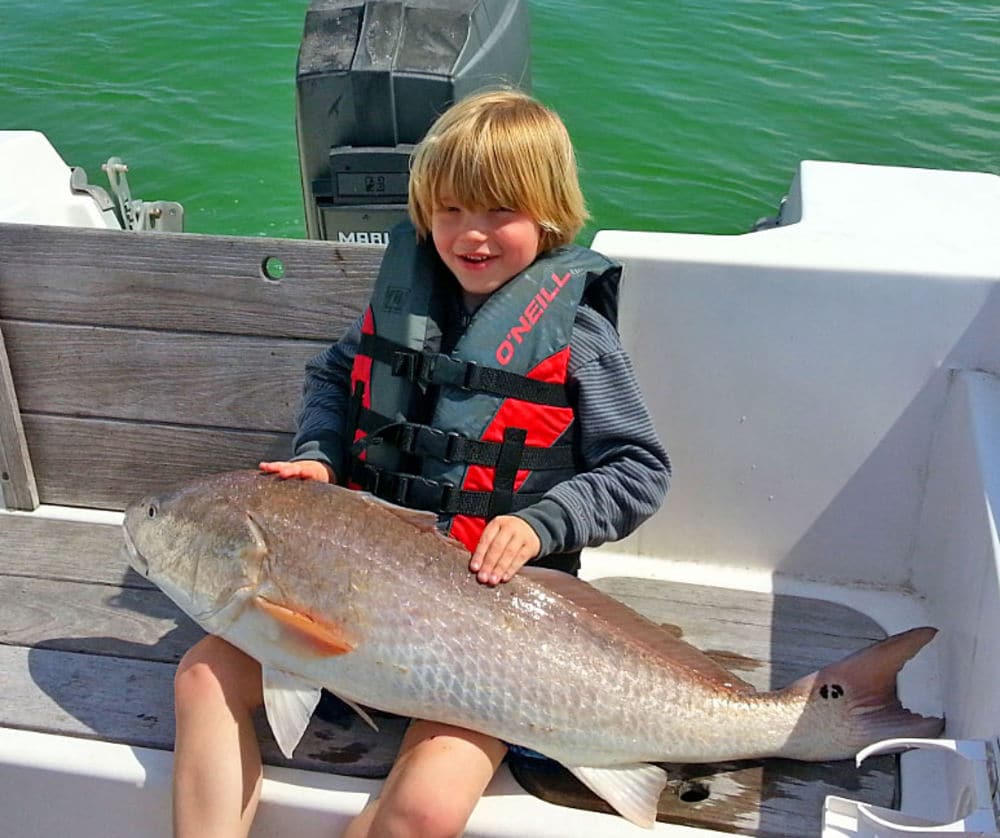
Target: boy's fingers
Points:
(486, 541)
(304, 469)
(490, 570)
(278, 467)
(515, 566)
(504, 547)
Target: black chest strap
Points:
(426, 368)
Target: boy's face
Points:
(484, 249)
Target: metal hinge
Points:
(134, 214)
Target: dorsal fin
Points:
(419, 518)
(654, 637)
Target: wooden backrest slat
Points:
(182, 282)
(135, 360)
(171, 377)
(106, 464)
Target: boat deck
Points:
(88, 649)
(132, 361)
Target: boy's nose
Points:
(474, 233)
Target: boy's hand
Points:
(301, 469)
(504, 547)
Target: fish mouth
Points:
(133, 556)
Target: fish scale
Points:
(331, 588)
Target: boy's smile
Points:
(484, 249)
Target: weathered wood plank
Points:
(189, 379)
(738, 608)
(183, 282)
(89, 696)
(767, 640)
(108, 464)
(76, 551)
(129, 623)
(131, 702)
(17, 480)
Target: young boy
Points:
(485, 382)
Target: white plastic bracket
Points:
(975, 807)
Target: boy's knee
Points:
(429, 816)
(214, 669)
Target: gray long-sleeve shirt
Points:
(625, 470)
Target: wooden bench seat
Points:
(132, 361)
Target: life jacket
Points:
(487, 428)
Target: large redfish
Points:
(328, 587)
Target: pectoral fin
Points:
(289, 702)
(633, 790)
(304, 633)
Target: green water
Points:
(687, 116)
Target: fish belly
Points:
(506, 666)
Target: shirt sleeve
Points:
(625, 470)
(326, 396)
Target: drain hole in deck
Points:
(693, 792)
(273, 268)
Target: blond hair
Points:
(500, 148)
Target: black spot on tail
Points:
(831, 691)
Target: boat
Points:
(827, 385)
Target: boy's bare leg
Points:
(435, 783)
(217, 766)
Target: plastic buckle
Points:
(427, 442)
(447, 497)
(401, 490)
(406, 441)
(406, 364)
(450, 371)
(441, 445)
(453, 442)
(415, 367)
(424, 373)
(473, 375)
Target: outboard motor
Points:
(372, 77)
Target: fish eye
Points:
(151, 510)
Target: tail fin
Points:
(853, 703)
